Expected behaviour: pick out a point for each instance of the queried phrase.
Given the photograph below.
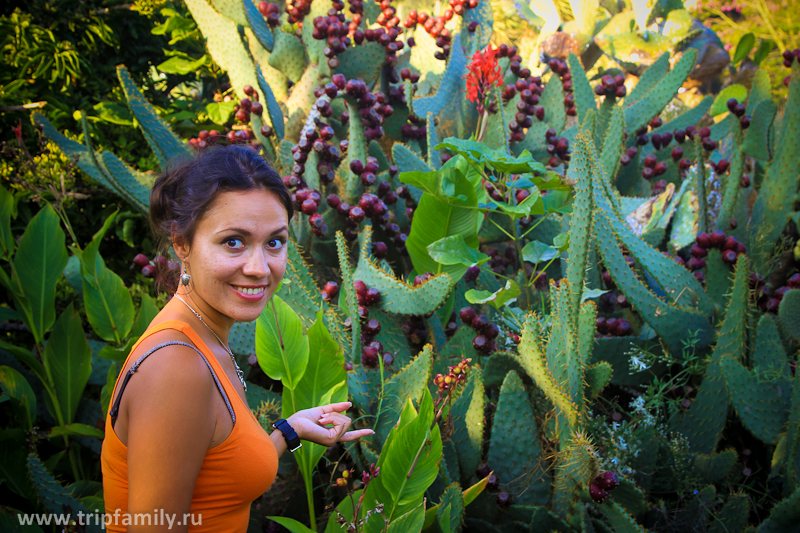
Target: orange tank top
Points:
(233, 474)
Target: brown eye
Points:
(231, 243)
(277, 244)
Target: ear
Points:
(180, 246)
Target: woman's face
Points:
(238, 254)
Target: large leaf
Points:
(109, 306)
(67, 360)
(409, 463)
(7, 243)
(436, 218)
(281, 347)
(322, 383)
(17, 387)
(40, 258)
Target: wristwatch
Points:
(292, 440)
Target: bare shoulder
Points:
(171, 386)
(173, 369)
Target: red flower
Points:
(482, 73)
(18, 132)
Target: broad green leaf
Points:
(561, 242)
(323, 382)
(147, 312)
(109, 306)
(745, 45)
(6, 314)
(410, 522)
(16, 386)
(114, 113)
(495, 159)
(77, 429)
(41, 256)
(453, 250)
(588, 294)
(538, 252)
(118, 354)
(438, 216)
(67, 360)
(25, 356)
(291, 524)
(220, 112)
(7, 243)
(281, 347)
(720, 104)
(409, 463)
(764, 48)
(496, 299)
(532, 205)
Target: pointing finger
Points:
(336, 407)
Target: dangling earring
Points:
(185, 278)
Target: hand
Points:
(309, 424)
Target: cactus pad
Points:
(704, 422)
(397, 296)
(515, 449)
(789, 313)
(467, 416)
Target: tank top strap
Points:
(198, 345)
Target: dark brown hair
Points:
(186, 188)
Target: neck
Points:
(219, 323)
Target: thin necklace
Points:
(227, 349)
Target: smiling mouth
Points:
(251, 291)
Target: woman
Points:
(181, 443)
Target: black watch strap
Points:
(292, 440)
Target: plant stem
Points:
(310, 497)
(380, 400)
(517, 239)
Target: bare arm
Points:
(170, 430)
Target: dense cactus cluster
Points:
(653, 258)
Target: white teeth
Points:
(248, 291)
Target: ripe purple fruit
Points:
(677, 153)
(695, 263)
(480, 323)
(698, 251)
(729, 257)
(369, 357)
(379, 250)
(372, 296)
(357, 214)
(330, 290)
(361, 291)
(357, 167)
(607, 481)
(480, 343)
(704, 240)
(149, 271)
(467, 315)
(504, 499)
(309, 207)
(141, 260)
(717, 239)
(372, 327)
(597, 494)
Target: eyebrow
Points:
(248, 234)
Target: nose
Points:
(257, 264)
